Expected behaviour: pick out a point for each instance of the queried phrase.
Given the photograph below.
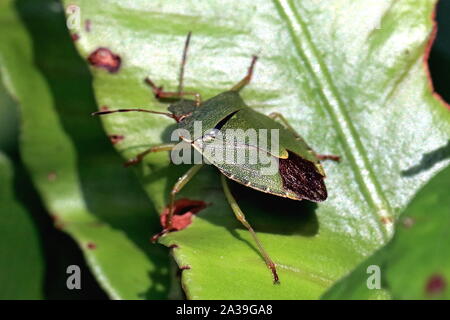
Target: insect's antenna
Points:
(183, 62)
(101, 113)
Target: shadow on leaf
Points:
(429, 160)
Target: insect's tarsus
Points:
(248, 77)
(140, 156)
(161, 94)
(331, 157)
(241, 217)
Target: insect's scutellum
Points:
(299, 175)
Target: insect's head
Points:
(182, 108)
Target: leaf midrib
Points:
(353, 148)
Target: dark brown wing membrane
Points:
(301, 177)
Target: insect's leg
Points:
(182, 181)
(241, 217)
(247, 78)
(140, 156)
(276, 115)
(331, 157)
(160, 93)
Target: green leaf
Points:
(21, 262)
(70, 161)
(413, 265)
(8, 121)
(351, 79)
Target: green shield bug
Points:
(298, 175)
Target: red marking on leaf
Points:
(185, 267)
(104, 58)
(91, 245)
(115, 138)
(184, 209)
(435, 284)
(173, 246)
(87, 25)
(75, 36)
(104, 108)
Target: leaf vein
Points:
(352, 145)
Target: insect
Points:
(299, 174)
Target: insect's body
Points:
(298, 173)
(228, 111)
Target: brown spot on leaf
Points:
(91, 246)
(51, 176)
(173, 246)
(106, 59)
(435, 285)
(408, 222)
(386, 220)
(301, 177)
(115, 138)
(75, 36)
(104, 108)
(184, 209)
(58, 224)
(87, 25)
(71, 8)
